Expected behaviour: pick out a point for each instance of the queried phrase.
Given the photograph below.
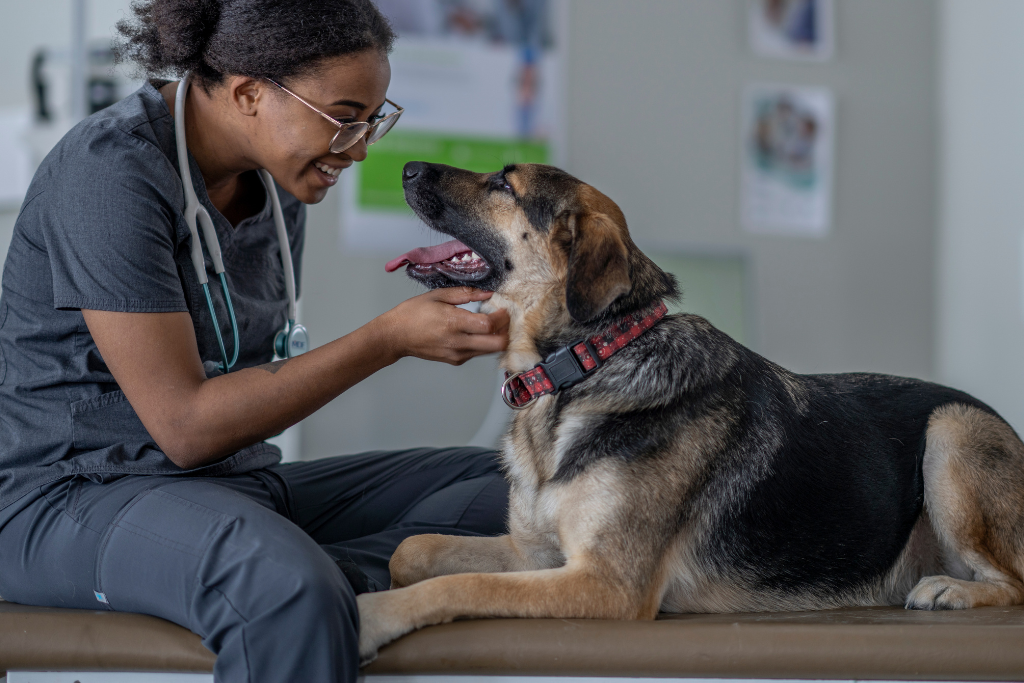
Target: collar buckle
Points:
(564, 368)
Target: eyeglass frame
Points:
(352, 124)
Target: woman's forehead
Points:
(360, 80)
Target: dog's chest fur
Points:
(531, 460)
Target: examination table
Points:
(985, 644)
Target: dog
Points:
(687, 473)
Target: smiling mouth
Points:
(328, 175)
(328, 170)
(453, 260)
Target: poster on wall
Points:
(481, 84)
(787, 160)
(792, 29)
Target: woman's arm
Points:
(197, 421)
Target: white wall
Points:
(980, 284)
(857, 300)
(26, 26)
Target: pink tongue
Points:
(425, 255)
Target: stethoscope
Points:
(293, 339)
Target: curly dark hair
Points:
(258, 38)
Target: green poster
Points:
(379, 187)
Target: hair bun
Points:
(169, 35)
(185, 28)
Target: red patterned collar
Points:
(573, 363)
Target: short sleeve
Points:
(109, 224)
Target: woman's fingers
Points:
(484, 343)
(495, 323)
(457, 296)
(473, 323)
(500, 320)
(472, 345)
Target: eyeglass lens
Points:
(350, 135)
(347, 137)
(381, 129)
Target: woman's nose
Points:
(358, 150)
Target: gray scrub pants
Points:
(264, 566)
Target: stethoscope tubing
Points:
(196, 213)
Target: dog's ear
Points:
(598, 264)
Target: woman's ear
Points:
(245, 93)
(598, 265)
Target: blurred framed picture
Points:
(792, 29)
(788, 139)
(482, 83)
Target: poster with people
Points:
(481, 84)
(788, 138)
(792, 29)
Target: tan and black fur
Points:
(689, 474)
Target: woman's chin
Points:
(316, 196)
(308, 193)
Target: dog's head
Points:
(539, 238)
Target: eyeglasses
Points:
(349, 133)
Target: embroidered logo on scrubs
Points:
(101, 597)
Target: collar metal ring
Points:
(508, 397)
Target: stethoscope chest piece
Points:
(292, 341)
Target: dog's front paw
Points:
(380, 622)
(940, 592)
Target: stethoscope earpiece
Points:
(291, 341)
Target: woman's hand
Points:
(430, 326)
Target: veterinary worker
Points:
(133, 470)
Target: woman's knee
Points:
(280, 565)
(287, 610)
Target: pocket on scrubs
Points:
(150, 559)
(103, 420)
(62, 495)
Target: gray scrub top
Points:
(102, 228)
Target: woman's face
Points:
(291, 140)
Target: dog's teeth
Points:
(465, 257)
(474, 256)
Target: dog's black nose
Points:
(412, 169)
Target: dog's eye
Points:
(500, 182)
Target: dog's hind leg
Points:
(974, 496)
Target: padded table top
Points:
(871, 643)
(42, 638)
